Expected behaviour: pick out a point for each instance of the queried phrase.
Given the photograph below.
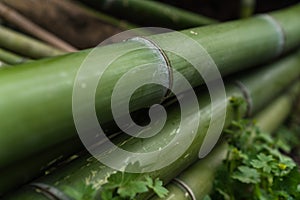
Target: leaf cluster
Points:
(119, 186)
(256, 166)
(126, 186)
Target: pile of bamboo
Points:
(260, 55)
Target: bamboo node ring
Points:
(50, 191)
(247, 95)
(185, 187)
(279, 30)
(163, 58)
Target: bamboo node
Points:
(185, 187)
(163, 58)
(247, 95)
(50, 191)
(279, 30)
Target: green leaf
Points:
(114, 180)
(131, 189)
(81, 192)
(283, 145)
(247, 175)
(129, 177)
(159, 189)
(289, 183)
(255, 167)
(149, 181)
(283, 166)
(263, 162)
(224, 194)
(107, 194)
(129, 185)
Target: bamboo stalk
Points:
(281, 74)
(153, 12)
(199, 177)
(124, 25)
(17, 19)
(11, 58)
(55, 77)
(17, 174)
(85, 27)
(25, 45)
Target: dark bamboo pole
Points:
(153, 12)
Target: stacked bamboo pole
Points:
(277, 34)
(11, 58)
(25, 45)
(274, 78)
(49, 89)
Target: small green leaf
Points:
(107, 194)
(247, 175)
(224, 194)
(159, 189)
(131, 189)
(114, 180)
(263, 162)
(149, 181)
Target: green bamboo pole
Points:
(46, 97)
(199, 177)
(25, 45)
(274, 78)
(152, 12)
(17, 174)
(11, 58)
